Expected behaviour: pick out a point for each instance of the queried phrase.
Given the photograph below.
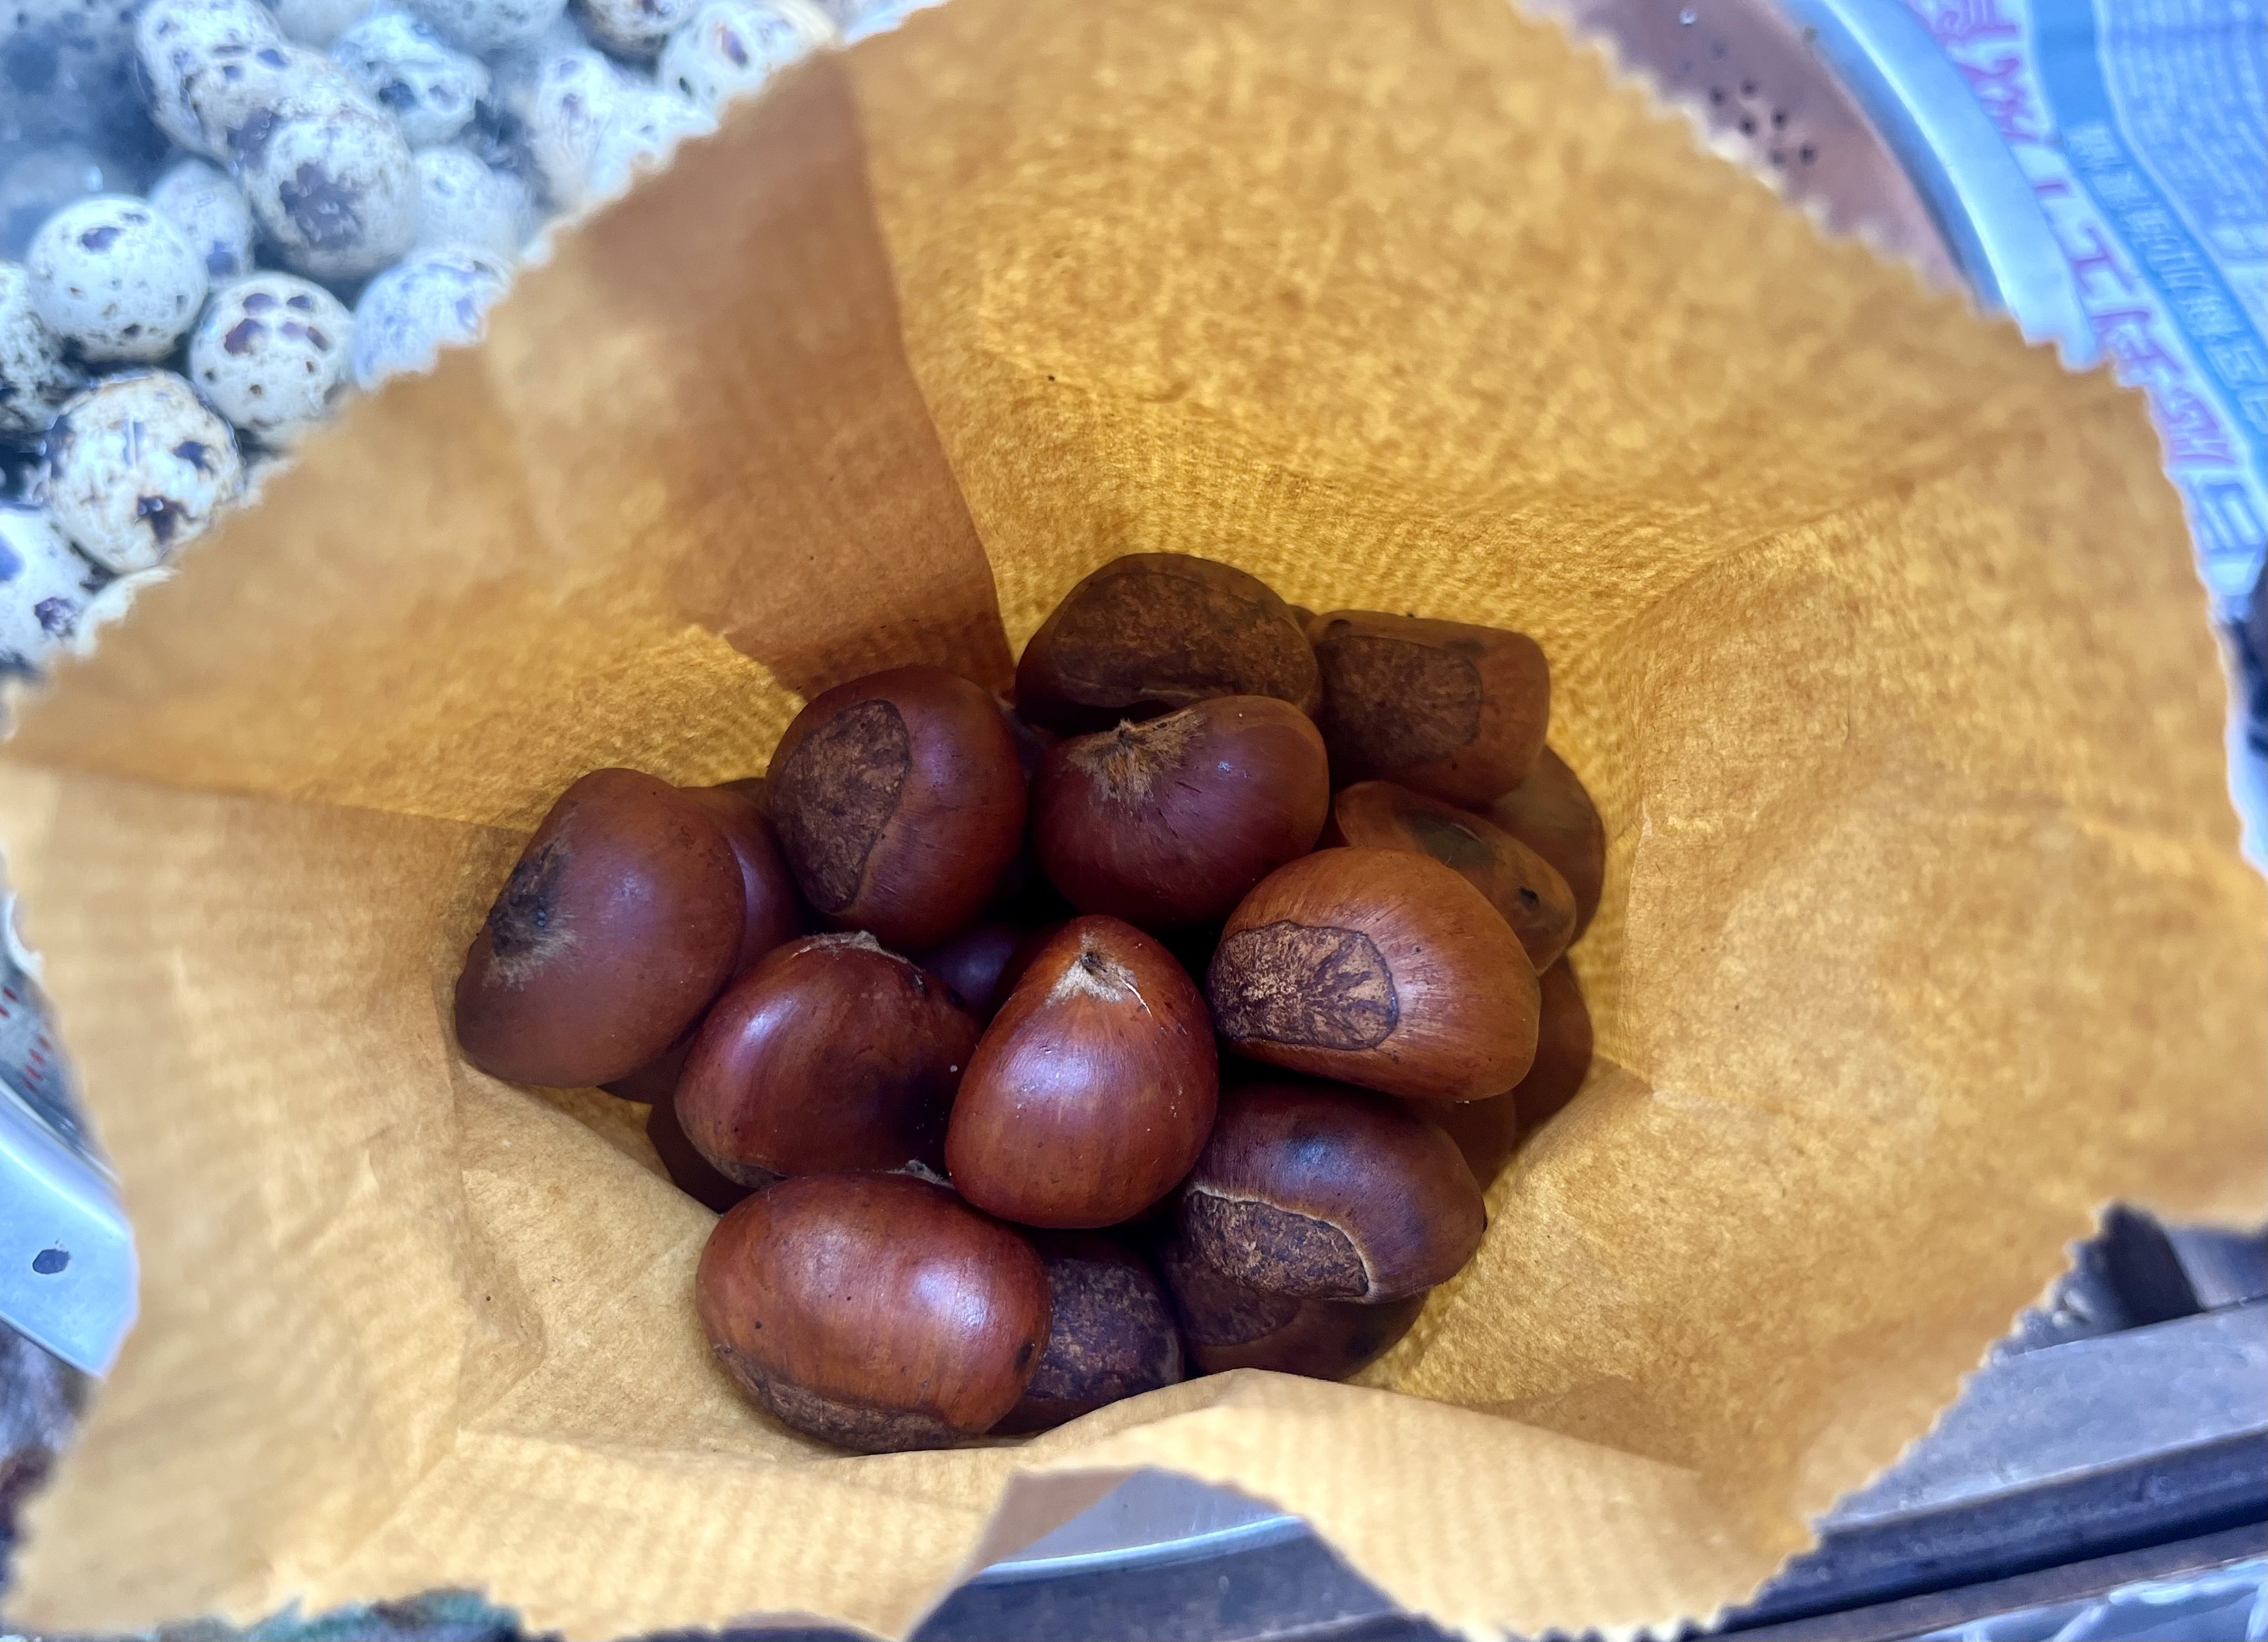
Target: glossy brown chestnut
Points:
(974, 963)
(1443, 707)
(875, 1312)
(1381, 967)
(1226, 1325)
(832, 1054)
(1153, 631)
(1111, 1333)
(689, 1171)
(1322, 1192)
(1552, 814)
(1170, 821)
(1031, 741)
(1562, 1049)
(1489, 1131)
(1520, 883)
(772, 916)
(655, 1082)
(1093, 1090)
(898, 803)
(619, 923)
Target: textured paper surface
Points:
(1874, 633)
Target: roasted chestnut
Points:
(689, 1171)
(898, 803)
(1562, 1049)
(1445, 707)
(1552, 814)
(1031, 741)
(1111, 1333)
(771, 913)
(621, 921)
(974, 963)
(1226, 1325)
(1381, 967)
(875, 1312)
(1322, 1192)
(655, 1082)
(1153, 631)
(1488, 1131)
(1170, 821)
(1520, 883)
(1093, 1090)
(832, 1054)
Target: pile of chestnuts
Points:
(1173, 1017)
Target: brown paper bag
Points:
(1874, 633)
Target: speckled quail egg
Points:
(174, 38)
(633, 28)
(137, 465)
(270, 352)
(513, 71)
(35, 379)
(43, 590)
(428, 87)
(572, 98)
(336, 190)
(67, 71)
(461, 202)
(732, 47)
(204, 201)
(318, 23)
(430, 300)
(643, 132)
(243, 93)
(482, 27)
(114, 278)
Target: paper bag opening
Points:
(1873, 632)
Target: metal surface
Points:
(67, 1271)
(1757, 89)
(2047, 1457)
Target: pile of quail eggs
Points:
(216, 216)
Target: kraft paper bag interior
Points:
(1873, 632)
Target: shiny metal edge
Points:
(64, 1236)
(1979, 197)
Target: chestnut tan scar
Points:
(1221, 1193)
(527, 928)
(1126, 763)
(1091, 974)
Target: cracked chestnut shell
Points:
(1169, 822)
(1152, 631)
(1093, 1090)
(1520, 883)
(1318, 1191)
(1381, 967)
(1111, 1333)
(1551, 812)
(1227, 1325)
(1445, 707)
(1489, 1131)
(898, 803)
(875, 1312)
(621, 921)
(832, 1054)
